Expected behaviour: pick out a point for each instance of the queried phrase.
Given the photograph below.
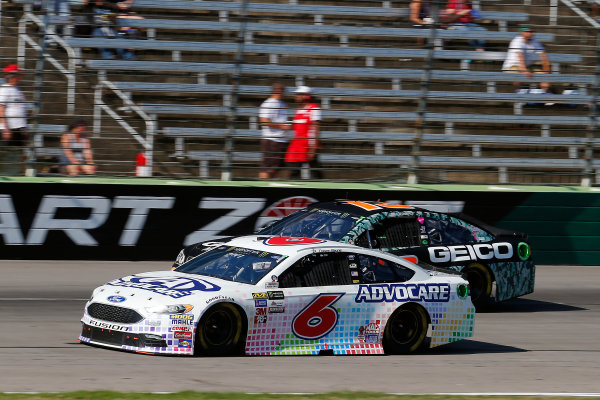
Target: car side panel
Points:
(350, 325)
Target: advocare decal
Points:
(175, 287)
(432, 292)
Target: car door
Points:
(317, 288)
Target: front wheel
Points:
(405, 331)
(220, 331)
(480, 283)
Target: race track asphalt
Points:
(546, 342)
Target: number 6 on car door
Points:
(318, 318)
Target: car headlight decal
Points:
(170, 309)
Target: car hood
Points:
(162, 287)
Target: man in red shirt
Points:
(303, 147)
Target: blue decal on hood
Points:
(116, 299)
(175, 287)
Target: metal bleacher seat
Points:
(335, 30)
(369, 53)
(349, 160)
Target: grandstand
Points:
(395, 108)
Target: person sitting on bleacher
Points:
(420, 13)
(105, 14)
(521, 56)
(459, 14)
(77, 157)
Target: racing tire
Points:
(220, 332)
(406, 330)
(480, 284)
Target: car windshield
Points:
(314, 223)
(236, 264)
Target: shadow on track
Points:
(528, 306)
(472, 347)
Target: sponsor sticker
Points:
(261, 311)
(431, 292)
(182, 335)
(259, 295)
(260, 303)
(276, 310)
(185, 343)
(181, 316)
(468, 252)
(260, 319)
(182, 322)
(181, 328)
(277, 295)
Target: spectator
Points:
(13, 122)
(522, 53)
(303, 147)
(273, 117)
(420, 12)
(105, 14)
(594, 9)
(459, 14)
(76, 157)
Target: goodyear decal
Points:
(431, 292)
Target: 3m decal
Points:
(403, 292)
(318, 318)
(290, 241)
(468, 252)
(172, 287)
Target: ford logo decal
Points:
(116, 299)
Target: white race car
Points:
(273, 295)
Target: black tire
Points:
(220, 332)
(406, 330)
(480, 283)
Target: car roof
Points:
(360, 208)
(284, 245)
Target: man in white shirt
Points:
(273, 118)
(523, 54)
(13, 121)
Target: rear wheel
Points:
(405, 331)
(220, 331)
(480, 283)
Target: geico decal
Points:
(468, 252)
(106, 325)
(403, 292)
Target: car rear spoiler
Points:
(491, 229)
